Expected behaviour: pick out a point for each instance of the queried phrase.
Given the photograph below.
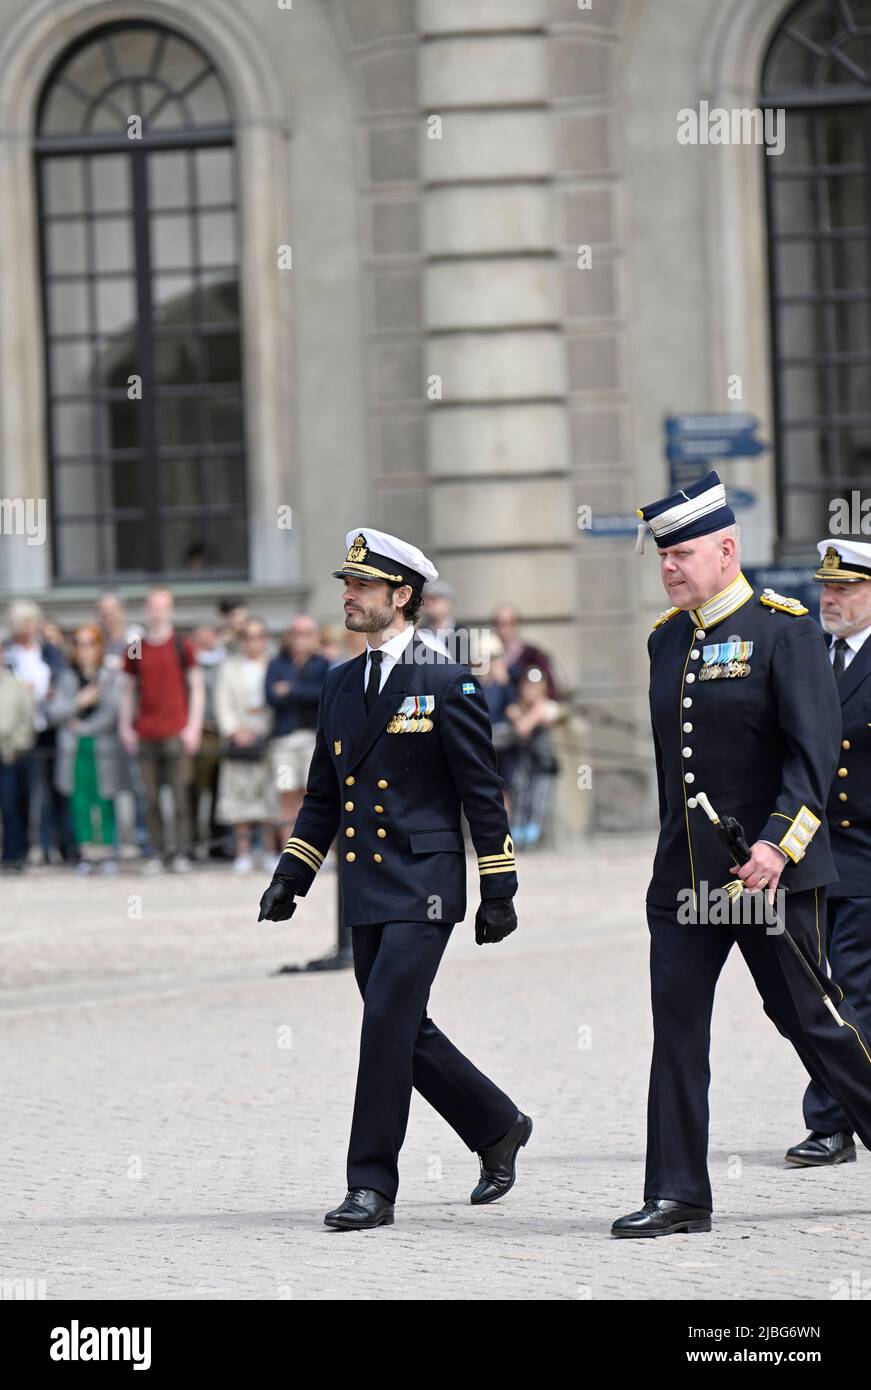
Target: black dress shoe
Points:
(498, 1163)
(822, 1150)
(363, 1207)
(661, 1217)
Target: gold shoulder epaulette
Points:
(784, 605)
(664, 617)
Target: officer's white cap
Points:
(844, 561)
(378, 555)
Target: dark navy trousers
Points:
(685, 963)
(848, 948)
(400, 1047)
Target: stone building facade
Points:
(475, 268)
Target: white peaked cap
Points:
(378, 555)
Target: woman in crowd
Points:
(17, 735)
(90, 767)
(246, 797)
(534, 763)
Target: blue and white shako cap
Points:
(844, 562)
(697, 510)
(377, 555)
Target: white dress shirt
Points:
(854, 645)
(391, 652)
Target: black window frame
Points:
(826, 358)
(152, 514)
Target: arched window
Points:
(818, 69)
(136, 183)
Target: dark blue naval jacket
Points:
(391, 785)
(849, 808)
(744, 707)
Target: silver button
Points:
(687, 752)
(687, 728)
(692, 803)
(690, 678)
(687, 702)
(688, 777)
(694, 654)
(700, 632)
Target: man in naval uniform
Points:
(845, 614)
(744, 709)
(403, 745)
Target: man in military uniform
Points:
(845, 614)
(403, 744)
(744, 709)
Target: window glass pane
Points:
(180, 535)
(68, 307)
(125, 483)
(224, 482)
(177, 360)
(180, 483)
(110, 182)
(135, 50)
(113, 243)
(801, 455)
(77, 489)
(127, 539)
(71, 366)
(122, 423)
(802, 392)
(65, 245)
(850, 263)
(171, 241)
(91, 68)
(222, 358)
(217, 238)
(178, 422)
(229, 538)
(73, 429)
(214, 173)
(63, 185)
(796, 263)
(78, 549)
(172, 297)
(795, 206)
(219, 299)
(168, 180)
(846, 201)
(116, 304)
(207, 103)
(222, 419)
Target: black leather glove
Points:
(494, 920)
(277, 903)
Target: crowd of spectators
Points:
(122, 740)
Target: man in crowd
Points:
(164, 726)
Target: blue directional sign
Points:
(711, 424)
(693, 448)
(614, 525)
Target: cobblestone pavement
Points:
(175, 1114)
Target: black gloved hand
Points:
(277, 903)
(494, 920)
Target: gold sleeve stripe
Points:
(505, 869)
(299, 854)
(494, 858)
(799, 835)
(307, 853)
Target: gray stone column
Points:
(502, 511)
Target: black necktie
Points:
(374, 682)
(839, 665)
